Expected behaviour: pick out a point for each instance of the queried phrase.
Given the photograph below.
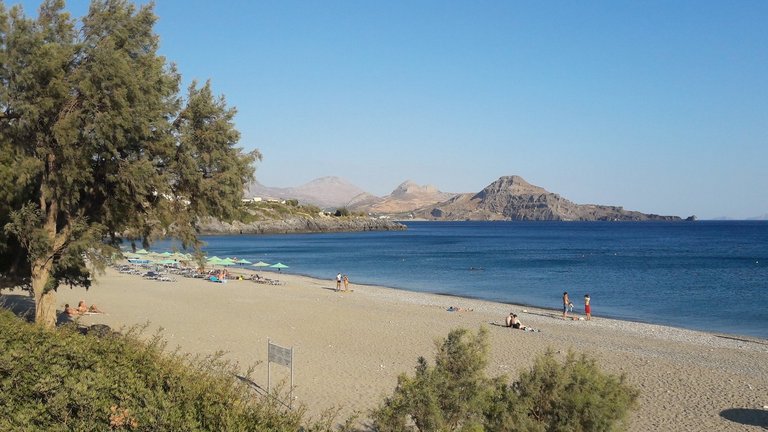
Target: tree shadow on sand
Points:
(23, 306)
(746, 416)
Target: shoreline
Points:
(350, 347)
(746, 337)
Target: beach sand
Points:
(350, 347)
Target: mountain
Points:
(763, 217)
(324, 192)
(406, 197)
(512, 198)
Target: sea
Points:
(703, 275)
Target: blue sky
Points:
(657, 106)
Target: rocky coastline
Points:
(296, 225)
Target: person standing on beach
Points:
(566, 302)
(346, 282)
(338, 282)
(587, 307)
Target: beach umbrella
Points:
(166, 254)
(179, 256)
(243, 261)
(142, 252)
(279, 266)
(228, 261)
(261, 264)
(215, 261)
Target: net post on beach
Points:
(282, 356)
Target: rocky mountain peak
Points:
(510, 185)
(409, 187)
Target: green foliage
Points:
(575, 395)
(61, 380)
(342, 212)
(266, 210)
(450, 396)
(455, 394)
(97, 145)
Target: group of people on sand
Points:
(568, 306)
(342, 279)
(81, 309)
(514, 322)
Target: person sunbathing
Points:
(70, 311)
(82, 308)
(515, 323)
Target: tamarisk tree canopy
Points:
(97, 146)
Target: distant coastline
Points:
(300, 225)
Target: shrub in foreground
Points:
(60, 380)
(455, 394)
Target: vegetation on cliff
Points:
(272, 217)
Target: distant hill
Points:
(512, 198)
(508, 198)
(406, 197)
(324, 192)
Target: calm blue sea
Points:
(702, 275)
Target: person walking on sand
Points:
(566, 303)
(587, 307)
(346, 282)
(338, 282)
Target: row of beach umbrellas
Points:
(173, 258)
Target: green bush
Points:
(61, 380)
(455, 394)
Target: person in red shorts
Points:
(587, 307)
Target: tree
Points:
(450, 396)
(97, 146)
(455, 394)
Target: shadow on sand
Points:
(746, 416)
(23, 306)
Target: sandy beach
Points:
(350, 347)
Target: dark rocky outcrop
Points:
(301, 225)
(512, 198)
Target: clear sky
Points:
(657, 106)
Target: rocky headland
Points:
(300, 225)
(512, 198)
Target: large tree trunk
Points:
(45, 302)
